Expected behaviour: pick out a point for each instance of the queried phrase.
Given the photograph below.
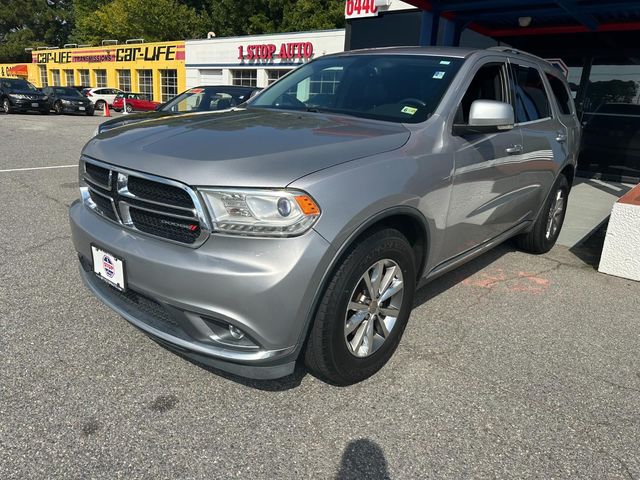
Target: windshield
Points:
(396, 88)
(204, 99)
(17, 84)
(69, 92)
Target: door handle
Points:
(513, 149)
(561, 137)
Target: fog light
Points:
(236, 332)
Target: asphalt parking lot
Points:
(514, 366)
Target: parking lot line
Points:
(37, 168)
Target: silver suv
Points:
(300, 225)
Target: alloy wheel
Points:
(6, 106)
(373, 308)
(556, 213)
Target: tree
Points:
(28, 23)
(153, 20)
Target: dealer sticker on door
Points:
(108, 267)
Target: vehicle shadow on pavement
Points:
(363, 459)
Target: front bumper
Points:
(26, 104)
(265, 287)
(66, 108)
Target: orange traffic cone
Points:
(106, 110)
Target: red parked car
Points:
(135, 102)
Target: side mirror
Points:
(487, 116)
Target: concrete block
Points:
(621, 252)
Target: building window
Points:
(274, 75)
(55, 78)
(245, 77)
(43, 75)
(145, 82)
(84, 78)
(101, 78)
(325, 81)
(69, 78)
(124, 80)
(168, 84)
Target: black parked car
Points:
(18, 95)
(197, 99)
(68, 100)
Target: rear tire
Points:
(347, 345)
(546, 229)
(100, 104)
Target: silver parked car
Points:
(300, 225)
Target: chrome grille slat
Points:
(179, 224)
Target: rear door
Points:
(487, 167)
(545, 137)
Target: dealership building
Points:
(155, 69)
(257, 60)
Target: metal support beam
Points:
(449, 34)
(429, 29)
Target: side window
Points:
(530, 96)
(561, 94)
(487, 84)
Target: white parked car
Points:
(100, 96)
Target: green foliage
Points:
(28, 23)
(153, 20)
(231, 17)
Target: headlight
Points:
(262, 213)
(18, 95)
(45, 98)
(66, 102)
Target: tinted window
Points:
(530, 96)
(395, 88)
(560, 93)
(16, 84)
(203, 99)
(487, 84)
(71, 92)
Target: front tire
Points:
(6, 106)
(57, 107)
(364, 310)
(546, 229)
(129, 108)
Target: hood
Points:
(19, 91)
(247, 148)
(131, 118)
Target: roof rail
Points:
(514, 50)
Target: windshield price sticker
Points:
(438, 75)
(409, 110)
(360, 8)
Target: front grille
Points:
(183, 231)
(159, 193)
(103, 204)
(97, 174)
(145, 203)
